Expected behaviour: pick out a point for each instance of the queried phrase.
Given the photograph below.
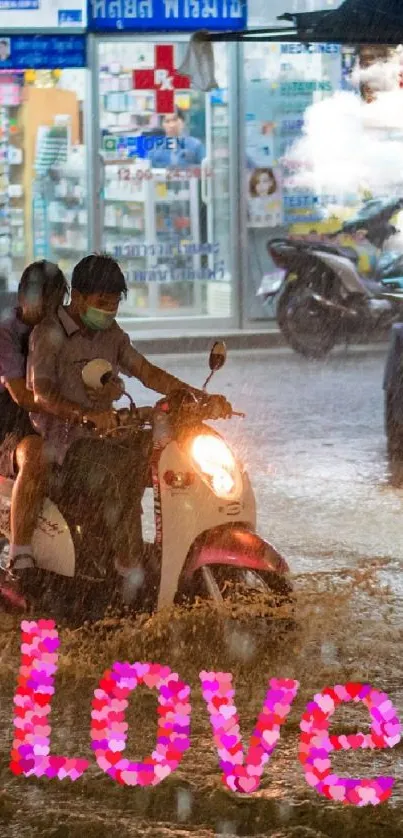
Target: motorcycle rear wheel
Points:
(307, 327)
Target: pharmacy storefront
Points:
(104, 145)
(167, 175)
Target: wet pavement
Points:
(313, 440)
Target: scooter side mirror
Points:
(218, 356)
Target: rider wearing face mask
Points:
(63, 344)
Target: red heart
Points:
(353, 689)
(98, 724)
(16, 768)
(42, 699)
(113, 757)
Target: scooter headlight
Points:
(217, 464)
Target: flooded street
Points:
(314, 443)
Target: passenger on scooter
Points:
(60, 348)
(42, 289)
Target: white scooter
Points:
(204, 507)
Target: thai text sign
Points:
(163, 15)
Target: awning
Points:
(354, 22)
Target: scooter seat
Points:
(307, 244)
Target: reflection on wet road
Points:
(313, 439)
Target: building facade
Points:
(105, 146)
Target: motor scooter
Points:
(204, 509)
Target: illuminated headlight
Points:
(217, 464)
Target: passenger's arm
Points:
(20, 394)
(13, 362)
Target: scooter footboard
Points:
(236, 546)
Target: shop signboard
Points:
(31, 15)
(164, 15)
(42, 52)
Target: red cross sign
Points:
(163, 78)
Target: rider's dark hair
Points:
(98, 274)
(45, 281)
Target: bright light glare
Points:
(215, 460)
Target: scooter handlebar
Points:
(203, 410)
(136, 417)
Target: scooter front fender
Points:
(237, 546)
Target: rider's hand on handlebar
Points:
(219, 407)
(102, 398)
(104, 421)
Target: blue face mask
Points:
(97, 319)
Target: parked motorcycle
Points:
(204, 507)
(321, 296)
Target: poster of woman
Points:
(264, 198)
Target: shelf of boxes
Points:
(5, 230)
(124, 110)
(66, 210)
(140, 214)
(12, 216)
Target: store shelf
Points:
(168, 217)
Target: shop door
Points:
(164, 180)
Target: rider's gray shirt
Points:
(59, 350)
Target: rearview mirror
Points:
(218, 356)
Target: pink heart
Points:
(130, 778)
(325, 702)
(247, 785)
(271, 737)
(161, 771)
(322, 765)
(337, 792)
(368, 795)
(227, 710)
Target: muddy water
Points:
(316, 454)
